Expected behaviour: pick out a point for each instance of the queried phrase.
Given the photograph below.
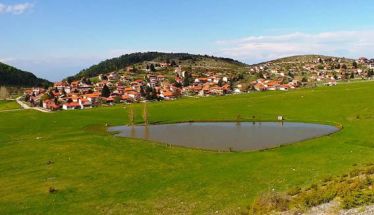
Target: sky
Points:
(55, 39)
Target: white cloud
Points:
(6, 60)
(260, 48)
(15, 9)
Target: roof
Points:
(167, 93)
(72, 104)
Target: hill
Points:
(11, 76)
(184, 59)
(303, 60)
(309, 58)
(314, 68)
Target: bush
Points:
(52, 190)
(294, 191)
(270, 202)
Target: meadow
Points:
(8, 105)
(66, 162)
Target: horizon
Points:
(54, 40)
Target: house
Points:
(166, 94)
(109, 99)
(85, 103)
(331, 83)
(126, 98)
(71, 106)
(216, 90)
(51, 105)
(272, 85)
(260, 87)
(160, 77)
(60, 85)
(164, 65)
(284, 87)
(92, 97)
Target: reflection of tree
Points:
(238, 119)
(133, 132)
(131, 115)
(146, 132)
(145, 114)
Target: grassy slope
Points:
(8, 105)
(95, 172)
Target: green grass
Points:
(8, 105)
(95, 172)
(349, 191)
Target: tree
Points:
(117, 99)
(4, 94)
(188, 79)
(152, 68)
(131, 116)
(105, 92)
(173, 63)
(220, 82)
(177, 84)
(145, 114)
(370, 73)
(354, 65)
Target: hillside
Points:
(183, 59)
(11, 76)
(315, 68)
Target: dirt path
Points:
(26, 106)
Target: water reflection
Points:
(227, 136)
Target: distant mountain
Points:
(124, 61)
(11, 76)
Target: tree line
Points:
(10, 76)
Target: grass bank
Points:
(92, 171)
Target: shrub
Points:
(354, 173)
(294, 191)
(52, 190)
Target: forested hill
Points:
(10, 76)
(123, 61)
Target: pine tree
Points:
(105, 92)
(152, 68)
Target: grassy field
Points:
(8, 105)
(96, 173)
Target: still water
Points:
(226, 136)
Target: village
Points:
(155, 81)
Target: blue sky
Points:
(54, 39)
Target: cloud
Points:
(261, 48)
(6, 60)
(15, 9)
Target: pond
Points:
(226, 136)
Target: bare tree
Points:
(145, 114)
(131, 115)
(4, 94)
